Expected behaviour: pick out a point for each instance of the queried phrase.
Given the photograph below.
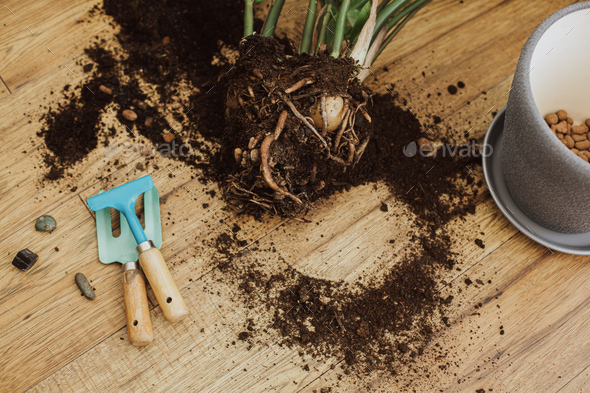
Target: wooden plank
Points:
(3, 89)
(38, 36)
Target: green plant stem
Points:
(382, 5)
(273, 16)
(415, 6)
(248, 17)
(307, 37)
(397, 29)
(387, 13)
(324, 26)
(340, 25)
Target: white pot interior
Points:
(560, 67)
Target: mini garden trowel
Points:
(122, 249)
(151, 260)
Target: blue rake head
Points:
(122, 248)
(123, 199)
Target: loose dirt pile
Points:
(174, 70)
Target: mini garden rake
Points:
(151, 260)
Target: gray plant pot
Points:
(550, 184)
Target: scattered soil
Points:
(384, 321)
(176, 56)
(479, 243)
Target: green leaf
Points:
(357, 26)
(357, 4)
(356, 10)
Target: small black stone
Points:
(461, 84)
(452, 89)
(25, 259)
(384, 207)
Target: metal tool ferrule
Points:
(130, 266)
(141, 247)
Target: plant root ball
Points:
(277, 151)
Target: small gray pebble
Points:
(45, 224)
(84, 286)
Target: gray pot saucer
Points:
(576, 243)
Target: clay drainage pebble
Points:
(573, 137)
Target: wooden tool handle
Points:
(171, 302)
(139, 323)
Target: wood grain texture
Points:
(55, 340)
(39, 36)
(169, 298)
(137, 309)
(3, 89)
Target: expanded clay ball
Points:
(574, 137)
(583, 129)
(568, 141)
(551, 119)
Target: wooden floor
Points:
(52, 340)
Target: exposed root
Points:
(364, 112)
(254, 196)
(254, 140)
(338, 160)
(265, 155)
(341, 131)
(361, 150)
(324, 115)
(303, 119)
(299, 85)
(281, 124)
(351, 149)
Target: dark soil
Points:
(298, 158)
(371, 323)
(376, 325)
(74, 127)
